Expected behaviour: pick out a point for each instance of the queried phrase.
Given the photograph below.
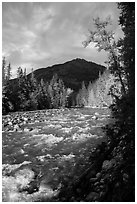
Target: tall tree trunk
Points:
(118, 71)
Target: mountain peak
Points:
(71, 72)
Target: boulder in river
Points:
(92, 196)
(107, 165)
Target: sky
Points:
(36, 35)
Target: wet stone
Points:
(92, 196)
(102, 181)
(98, 175)
(125, 177)
(102, 194)
(92, 180)
(101, 186)
(96, 184)
(78, 190)
(16, 127)
(26, 130)
(10, 123)
(107, 165)
(97, 189)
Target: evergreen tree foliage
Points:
(28, 94)
(57, 93)
(6, 89)
(97, 93)
(102, 89)
(8, 72)
(3, 70)
(81, 98)
(23, 89)
(42, 95)
(91, 95)
(33, 81)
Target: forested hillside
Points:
(72, 72)
(51, 87)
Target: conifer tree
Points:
(42, 95)
(6, 87)
(82, 95)
(4, 95)
(23, 89)
(91, 96)
(8, 77)
(33, 81)
(57, 92)
(3, 70)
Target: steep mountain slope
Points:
(72, 72)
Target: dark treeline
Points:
(28, 94)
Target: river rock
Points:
(113, 161)
(35, 130)
(101, 187)
(23, 177)
(102, 193)
(27, 179)
(92, 180)
(98, 175)
(117, 185)
(32, 187)
(25, 119)
(125, 177)
(96, 184)
(10, 123)
(78, 190)
(26, 130)
(94, 117)
(16, 127)
(92, 196)
(102, 181)
(107, 165)
(21, 151)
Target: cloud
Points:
(42, 34)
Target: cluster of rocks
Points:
(17, 122)
(11, 123)
(107, 178)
